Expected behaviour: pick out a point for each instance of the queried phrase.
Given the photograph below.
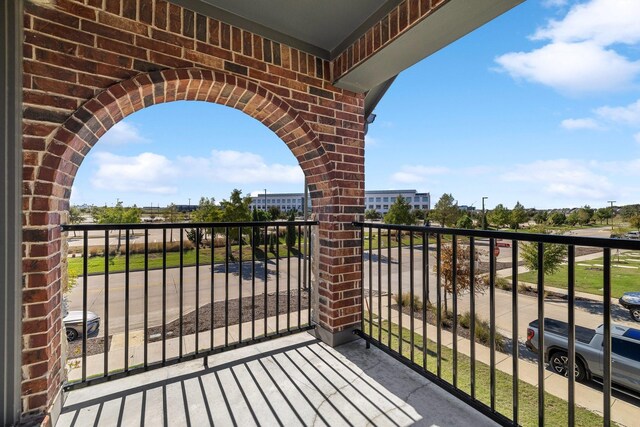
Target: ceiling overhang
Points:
(453, 20)
(329, 27)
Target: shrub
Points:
(405, 301)
(503, 283)
(482, 331)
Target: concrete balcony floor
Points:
(290, 381)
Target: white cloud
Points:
(575, 124)
(554, 3)
(629, 115)
(581, 56)
(239, 167)
(123, 133)
(637, 137)
(414, 174)
(563, 177)
(572, 68)
(604, 22)
(144, 173)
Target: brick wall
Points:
(90, 63)
(405, 16)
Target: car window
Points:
(627, 349)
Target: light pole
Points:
(611, 202)
(483, 220)
(265, 199)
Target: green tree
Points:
(603, 214)
(274, 212)
(626, 212)
(195, 235)
(207, 211)
(499, 216)
(557, 218)
(634, 221)
(258, 235)
(371, 214)
(585, 215)
(541, 217)
(399, 212)
(75, 217)
(465, 221)
(446, 211)
(573, 218)
(518, 216)
(292, 235)
(236, 209)
(118, 214)
(553, 255)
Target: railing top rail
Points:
(598, 242)
(167, 225)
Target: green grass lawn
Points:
(556, 409)
(406, 240)
(589, 277)
(136, 261)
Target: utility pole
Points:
(483, 218)
(611, 202)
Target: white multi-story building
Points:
(382, 200)
(284, 201)
(377, 200)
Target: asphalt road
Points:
(221, 282)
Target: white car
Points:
(632, 235)
(74, 326)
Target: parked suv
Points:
(632, 235)
(631, 301)
(625, 352)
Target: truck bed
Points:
(584, 335)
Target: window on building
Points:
(385, 199)
(378, 207)
(378, 199)
(385, 207)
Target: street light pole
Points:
(265, 199)
(483, 220)
(611, 202)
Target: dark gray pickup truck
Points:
(625, 352)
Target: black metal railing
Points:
(167, 293)
(404, 266)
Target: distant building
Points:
(380, 201)
(284, 201)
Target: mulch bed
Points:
(94, 346)
(204, 313)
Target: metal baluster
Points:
(379, 287)
(472, 309)
(541, 333)
(606, 381)
(106, 303)
(514, 329)
(277, 279)
(425, 293)
(454, 288)
(288, 281)
(227, 243)
(400, 335)
(212, 290)
(127, 298)
(492, 320)
(266, 273)
(370, 283)
(253, 280)
(85, 279)
(571, 282)
(411, 295)
(197, 331)
(146, 298)
(181, 290)
(389, 293)
(299, 270)
(240, 284)
(439, 304)
(164, 296)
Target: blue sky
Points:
(541, 106)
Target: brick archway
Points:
(79, 133)
(334, 183)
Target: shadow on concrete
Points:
(290, 381)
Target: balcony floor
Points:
(295, 380)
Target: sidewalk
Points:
(622, 412)
(95, 363)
